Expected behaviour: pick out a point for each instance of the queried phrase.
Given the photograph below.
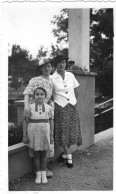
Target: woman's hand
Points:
(26, 106)
(27, 111)
(25, 139)
(76, 92)
(51, 139)
(51, 103)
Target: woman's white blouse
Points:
(63, 90)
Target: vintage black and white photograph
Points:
(60, 97)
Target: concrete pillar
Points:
(79, 25)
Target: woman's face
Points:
(61, 65)
(46, 69)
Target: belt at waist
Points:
(38, 121)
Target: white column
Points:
(79, 26)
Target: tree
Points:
(21, 66)
(60, 30)
(101, 33)
(54, 50)
(42, 52)
(61, 23)
(101, 49)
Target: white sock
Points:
(44, 178)
(69, 157)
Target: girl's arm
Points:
(25, 137)
(51, 130)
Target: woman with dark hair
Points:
(44, 80)
(66, 118)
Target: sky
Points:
(29, 26)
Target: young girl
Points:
(39, 133)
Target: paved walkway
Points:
(92, 171)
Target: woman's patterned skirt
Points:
(67, 125)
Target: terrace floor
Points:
(92, 171)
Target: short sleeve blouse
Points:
(63, 90)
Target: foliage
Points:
(21, 66)
(105, 79)
(42, 52)
(101, 49)
(104, 121)
(78, 68)
(12, 112)
(101, 33)
(15, 134)
(61, 23)
(55, 50)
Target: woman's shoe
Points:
(38, 177)
(62, 158)
(69, 162)
(49, 174)
(44, 178)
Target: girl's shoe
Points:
(44, 178)
(69, 162)
(62, 158)
(38, 177)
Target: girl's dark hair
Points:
(41, 89)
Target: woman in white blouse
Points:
(66, 118)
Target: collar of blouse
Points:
(39, 105)
(56, 75)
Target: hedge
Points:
(15, 134)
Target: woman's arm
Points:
(26, 106)
(28, 91)
(51, 130)
(76, 92)
(25, 136)
(26, 100)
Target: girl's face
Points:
(46, 69)
(61, 65)
(39, 96)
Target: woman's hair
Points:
(60, 58)
(60, 61)
(41, 89)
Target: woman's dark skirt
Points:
(67, 125)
